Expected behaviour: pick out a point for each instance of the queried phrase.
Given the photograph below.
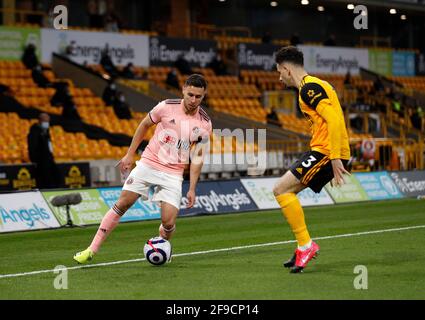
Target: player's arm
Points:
(127, 161)
(315, 96)
(335, 128)
(33, 144)
(197, 161)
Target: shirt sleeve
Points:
(206, 133)
(157, 112)
(327, 112)
(315, 97)
(312, 94)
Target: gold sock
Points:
(294, 214)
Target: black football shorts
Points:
(314, 169)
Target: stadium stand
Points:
(221, 98)
(67, 145)
(248, 105)
(240, 95)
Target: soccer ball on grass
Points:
(157, 251)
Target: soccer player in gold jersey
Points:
(329, 150)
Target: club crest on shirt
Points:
(168, 139)
(195, 130)
(310, 93)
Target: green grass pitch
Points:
(395, 259)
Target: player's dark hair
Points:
(290, 54)
(197, 81)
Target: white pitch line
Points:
(211, 251)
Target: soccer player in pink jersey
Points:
(182, 131)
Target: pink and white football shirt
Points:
(169, 148)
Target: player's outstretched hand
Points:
(191, 198)
(339, 171)
(125, 163)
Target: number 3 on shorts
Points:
(308, 162)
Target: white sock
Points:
(305, 247)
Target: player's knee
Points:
(285, 186)
(278, 189)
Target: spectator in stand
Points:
(39, 78)
(272, 117)
(217, 64)
(95, 17)
(267, 37)
(102, 7)
(378, 86)
(414, 117)
(330, 41)
(421, 115)
(144, 75)
(129, 72)
(348, 83)
(380, 106)
(92, 12)
(109, 94)
(397, 107)
(7, 98)
(183, 65)
(3, 89)
(63, 97)
(40, 150)
(69, 111)
(111, 23)
(347, 79)
(295, 39)
(62, 94)
(172, 79)
(47, 21)
(121, 107)
(106, 62)
(29, 57)
(391, 91)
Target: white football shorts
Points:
(154, 185)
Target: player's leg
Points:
(169, 193)
(167, 228)
(108, 224)
(168, 220)
(112, 217)
(285, 191)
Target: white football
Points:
(157, 251)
